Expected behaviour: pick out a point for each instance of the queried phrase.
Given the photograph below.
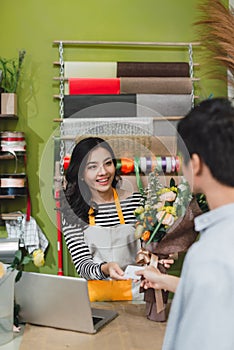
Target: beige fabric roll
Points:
(73, 69)
(155, 85)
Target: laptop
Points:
(59, 302)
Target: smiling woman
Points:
(98, 217)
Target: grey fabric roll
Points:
(163, 105)
(155, 85)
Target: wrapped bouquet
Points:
(165, 225)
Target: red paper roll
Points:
(94, 86)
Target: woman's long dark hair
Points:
(77, 193)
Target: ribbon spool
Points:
(12, 141)
(124, 166)
(13, 184)
(127, 166)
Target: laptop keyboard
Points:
(96, 319)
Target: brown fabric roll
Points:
(152, 69)
(155, 85)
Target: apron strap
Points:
(118, 208)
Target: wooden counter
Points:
(130, 330)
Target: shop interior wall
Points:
(34, 25)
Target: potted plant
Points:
(9, 78)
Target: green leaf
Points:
(172, 182)
(26, 260)
(17, 259)
(18, 276)
(156, 228)
(18, 255)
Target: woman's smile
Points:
(103, 181)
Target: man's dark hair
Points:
(208, 130)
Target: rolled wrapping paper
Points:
(12, 141)
(95, 106)
(94, 86)
(152, 69)
(163, 104)
(155, 85)
(74, 69)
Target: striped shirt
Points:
(107, 216)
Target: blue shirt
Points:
(202, 312)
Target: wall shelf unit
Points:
(62, 79)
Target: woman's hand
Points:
(113, 271)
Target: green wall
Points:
(34, 25)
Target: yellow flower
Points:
(171, 210)
(2, 269)
(167, 189)
(139, 210)
(168, 209)
(38, 258)
(147, 207)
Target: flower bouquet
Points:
(165, 225)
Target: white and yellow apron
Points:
(115, 243)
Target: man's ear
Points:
(196, 163)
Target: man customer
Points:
(201, 316)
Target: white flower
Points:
(168, 219)
(168, 196)
(138, 232)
